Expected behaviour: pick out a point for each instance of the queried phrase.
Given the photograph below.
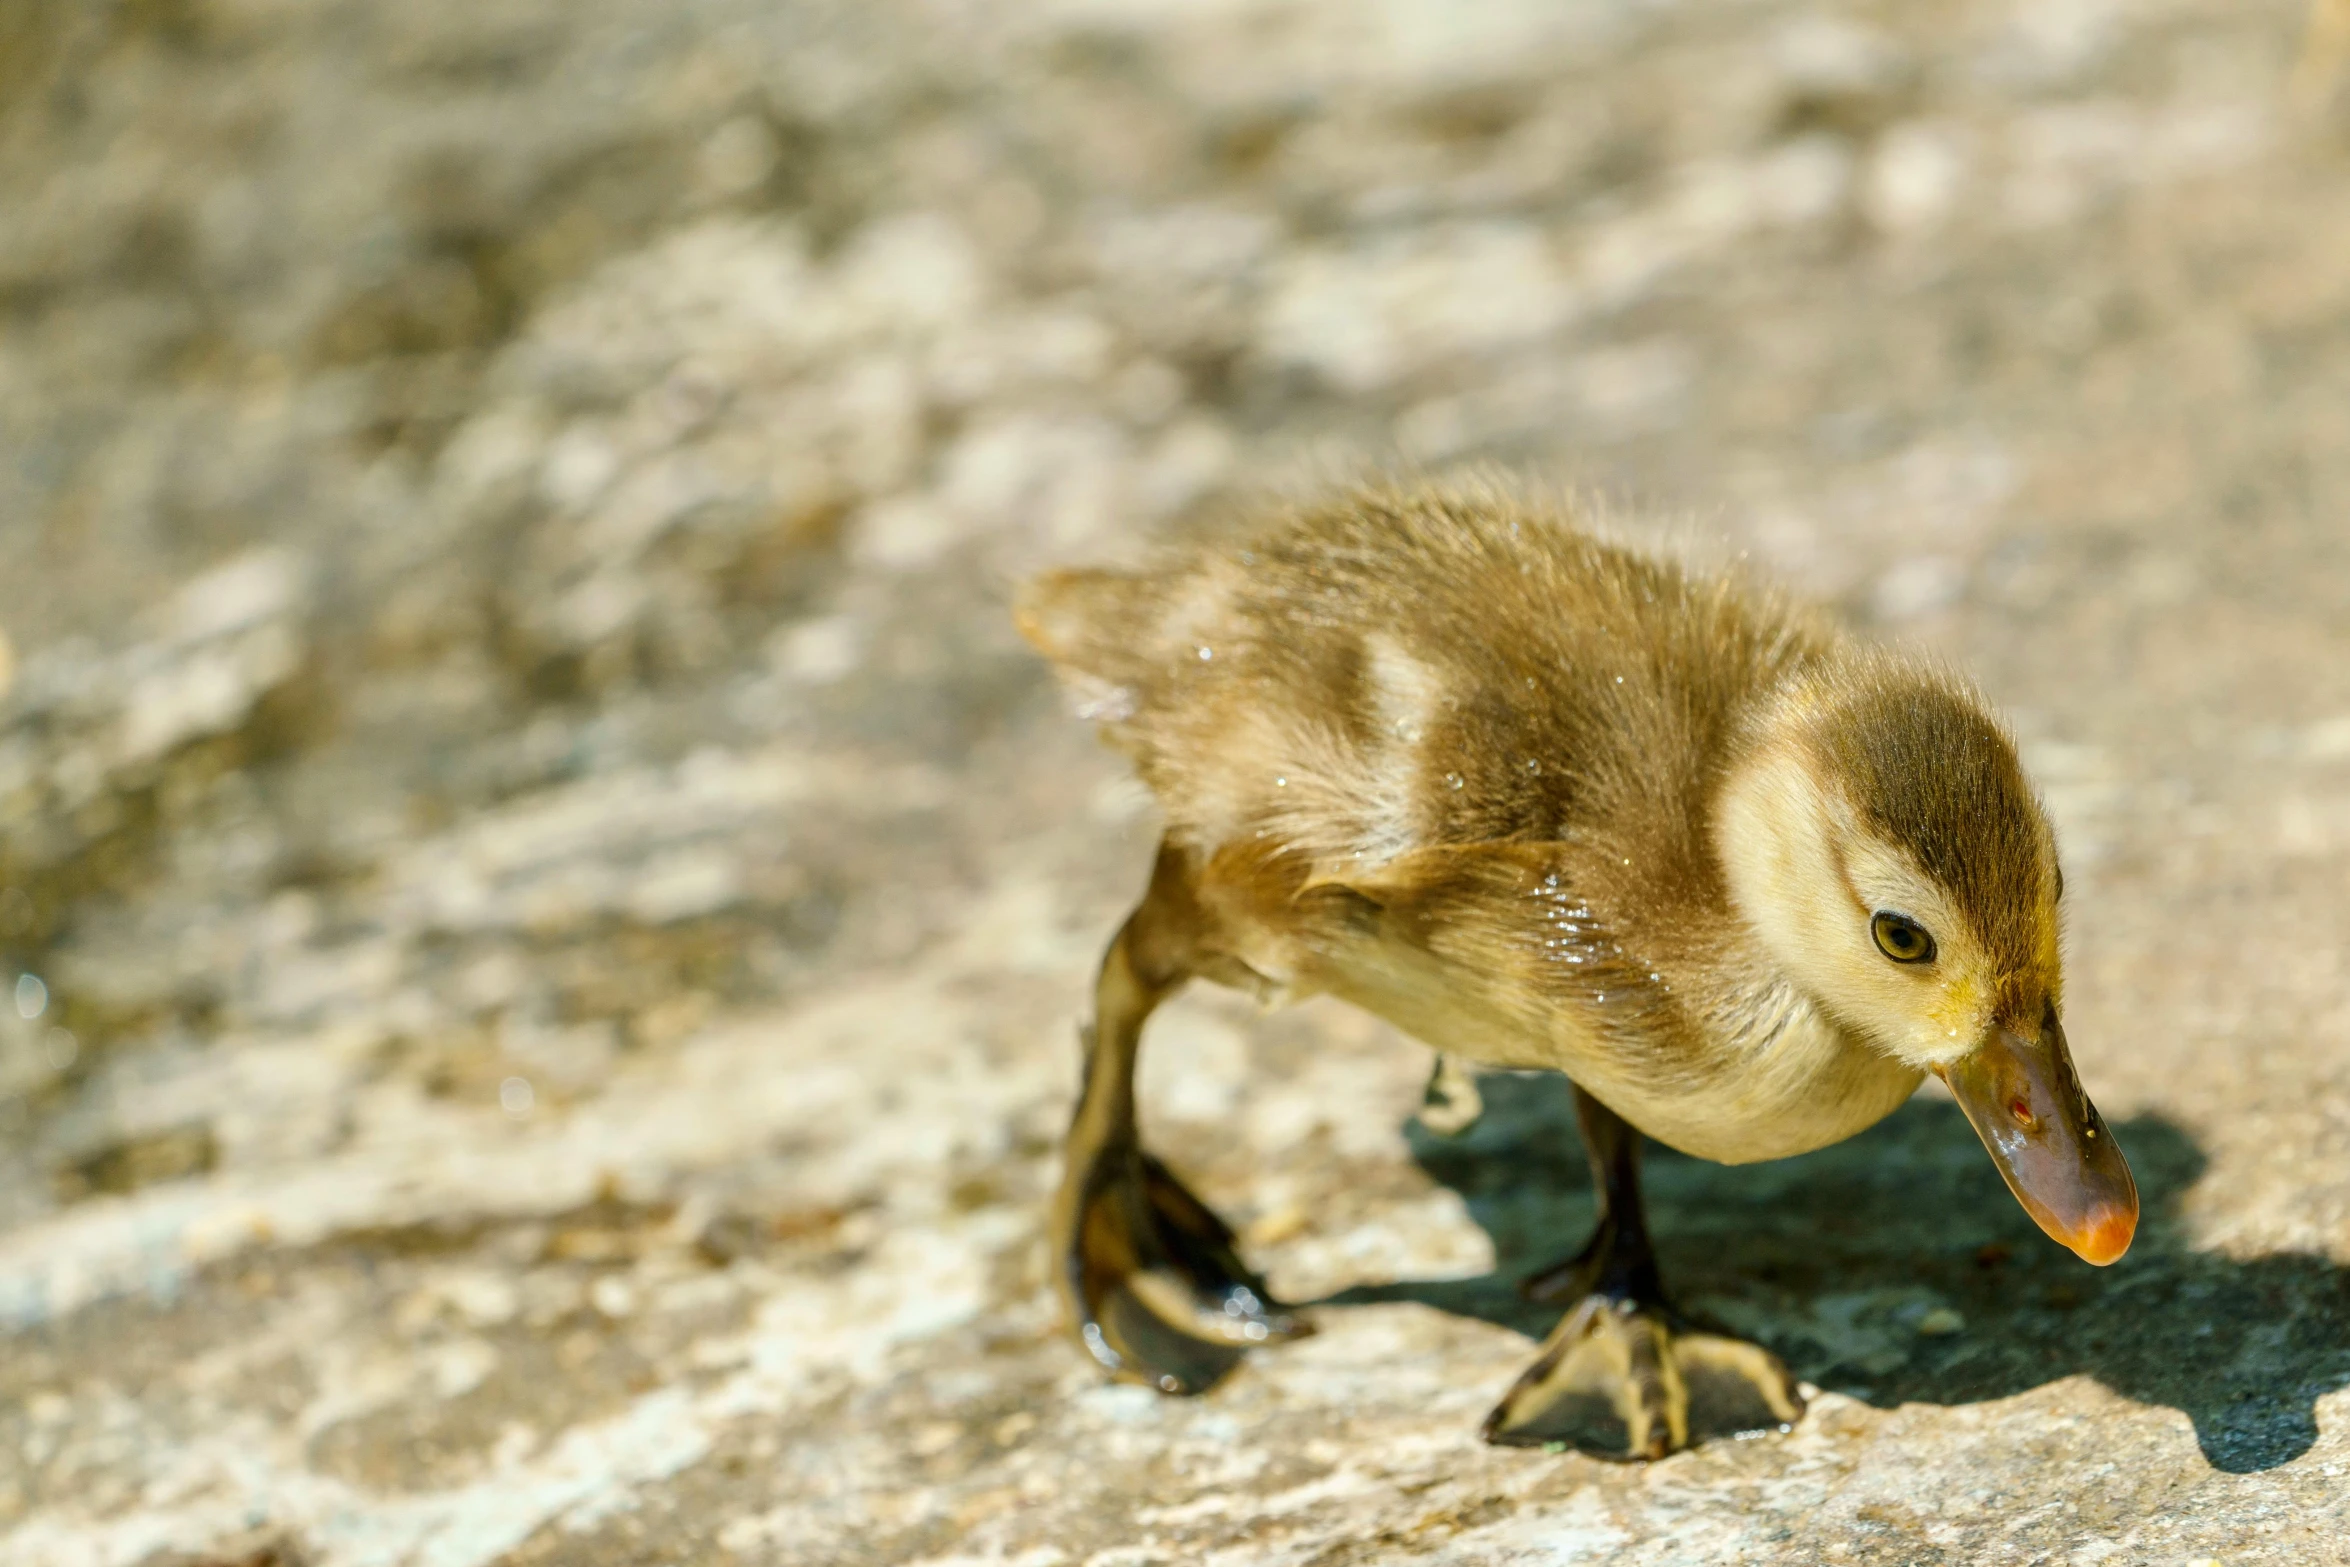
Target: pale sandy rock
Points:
(1915, 176)
(1366, 318)
(544, 908)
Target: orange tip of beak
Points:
(2105, 1234)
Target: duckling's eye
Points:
(1901, 938)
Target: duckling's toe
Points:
(1450, 1104)
(1620, 1379)
(1160, 1295)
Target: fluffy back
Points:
(1394, 670)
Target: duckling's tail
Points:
(1086, 620)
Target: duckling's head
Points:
(1881, 841)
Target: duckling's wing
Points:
(1307, 683)
(1509, 919)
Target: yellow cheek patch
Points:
(1960, 1009)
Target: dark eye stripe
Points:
(1901, 938)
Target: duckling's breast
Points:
(1747, 1079)
(1805, 1086)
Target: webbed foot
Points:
(1622, 1378)
(1157, 1293)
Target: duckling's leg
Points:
(1146, 1271)
(1625, 1375)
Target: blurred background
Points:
(543, 909)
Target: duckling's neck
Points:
(1781, 1075)
(1785, 1077)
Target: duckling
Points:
(1544, 801)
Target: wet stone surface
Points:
(557, 907)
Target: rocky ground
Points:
(543, 908)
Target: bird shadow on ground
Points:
(1848, 1261)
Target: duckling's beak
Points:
(2048, 1140)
